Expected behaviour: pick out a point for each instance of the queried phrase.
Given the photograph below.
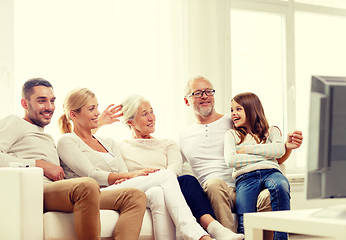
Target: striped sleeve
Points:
(273, 148)
(232, 158)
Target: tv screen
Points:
(326, 168)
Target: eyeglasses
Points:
(199, 93)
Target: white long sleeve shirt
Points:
(151, 153)
(80, 160)
(255, 156)
(24, 142)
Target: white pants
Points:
(163, 226)
(174, 201)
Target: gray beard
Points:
(204, 112)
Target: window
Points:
(258, 60)
(276, 47)
(320, 50)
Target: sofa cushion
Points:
(59, 225)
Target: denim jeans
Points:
(248, 187)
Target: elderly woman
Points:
(143, 151)
(83, 154)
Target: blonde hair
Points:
(130, 107)
(74, 101)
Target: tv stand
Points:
(294, 221)
(337, 211)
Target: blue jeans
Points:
(248, 187)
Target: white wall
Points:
(117, 48)
(6, 57)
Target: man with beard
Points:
(202, 146)
(23, 141)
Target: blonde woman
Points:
(83, 154)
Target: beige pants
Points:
(82, 197)
(222, 199)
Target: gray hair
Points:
(188, 85)
(130, 107)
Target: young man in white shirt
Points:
(202, 145)
(23, 141)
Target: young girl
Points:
(251, 148)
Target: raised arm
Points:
(294, 141)
(110, 115)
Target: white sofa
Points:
(21, 211)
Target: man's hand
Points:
(294, 140)
(50, 170)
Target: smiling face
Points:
(87, 117)
(40, 106)
(238, 114)
(143, 124)
(204, 105)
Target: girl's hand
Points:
(110, 115)
(144, 172)
(294, 140)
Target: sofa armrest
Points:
(21, 203)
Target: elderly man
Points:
(23, 141)
(202, 146)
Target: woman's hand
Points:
(110, 115)
(240, 151)
(120, 181)
(144, 172)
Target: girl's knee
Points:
(283, 186)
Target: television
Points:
(326, 167)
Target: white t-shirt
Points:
(202, 145)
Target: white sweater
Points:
(23, 142)
(256, 156)
(151, 153)
(80, 160)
